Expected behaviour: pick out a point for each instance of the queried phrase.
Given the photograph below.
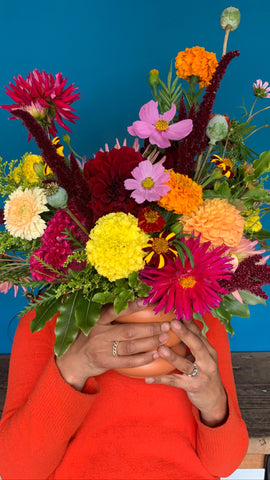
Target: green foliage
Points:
(168, 94)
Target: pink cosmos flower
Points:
(156, 127)
(261, 89)
(244, 249)
(184, 289)
(149, 182)
(45, 97)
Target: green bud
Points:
(39, 169)
(58, 199)
(217, 129)
(153, 78)
(230, 18)
(66, 139)
(176, 228)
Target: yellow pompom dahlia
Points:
(198, 62)
(216, 220)
(185, 194)
(115, 246)
(22, 213)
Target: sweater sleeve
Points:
(42, 412)
(221, 449)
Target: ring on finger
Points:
(194, 371)
(114, 348)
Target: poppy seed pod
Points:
(230, 18)
(217, 129)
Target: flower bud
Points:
(153, 78)
(217, 128)
(230, 18)
(58, 199)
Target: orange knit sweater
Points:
(117, 428)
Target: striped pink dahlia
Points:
(185, 289)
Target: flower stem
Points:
(259, 111)
(225, 41)
(76, 220)
(210, 148)
(254, 131)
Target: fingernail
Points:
(176, 324)
(149, 380)
(165, 352)
(155, 355)
(140, 302)
(165, 327)
(163, 338)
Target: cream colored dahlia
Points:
(216, 220)
(22, 213)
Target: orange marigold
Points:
(184, 196)
(196, 61)
(216, 220)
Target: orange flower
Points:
(216, 220)
(184, 196)
(196, 61)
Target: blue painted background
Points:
(107, 49)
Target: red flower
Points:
(150, 220)
(160, 249)
(105, 175)
(45, 97)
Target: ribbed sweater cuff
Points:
(57, 405)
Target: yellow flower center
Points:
(161, 125)
(160, 245)
(151, 217)
(187, 282)
(148, 182)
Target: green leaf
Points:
(66, 328)
(121, 301)
(44, 313)
(223, 189)
(262, 165)
(233, 306)
(103, 297)
(180, 252)
(133, 279)
(257, 195)
(198, 316)
(169, 78)
(87, 314)
(224, 317)
(188, 253)
(143, 290)
(250, 298)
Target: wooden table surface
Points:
(252, 378)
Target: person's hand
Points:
(204, 389)
(92, 355)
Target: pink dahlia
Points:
(148, 182)
(187, 289)
(45, 97)
(55, 248)
(260, 89)
(157, 127)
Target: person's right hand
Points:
(92, 355)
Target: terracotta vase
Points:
(159, 366)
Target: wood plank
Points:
(253, 461)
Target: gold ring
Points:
(114, 348)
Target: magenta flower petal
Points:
(179, 130)
(149, 112)
(159, 139)
(168, 116)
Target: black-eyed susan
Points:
(225, 164)
(159, 249)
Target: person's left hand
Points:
(205, 390)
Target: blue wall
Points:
(107, 49)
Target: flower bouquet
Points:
(175, 220)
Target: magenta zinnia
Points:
(44, 96)
(185, 289)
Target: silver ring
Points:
(114, 348)
(194, 372)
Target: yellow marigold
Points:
(115, 246)
(196, 61)
(184, 196)
(253, 220)
(22, 213)
(216, 220)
